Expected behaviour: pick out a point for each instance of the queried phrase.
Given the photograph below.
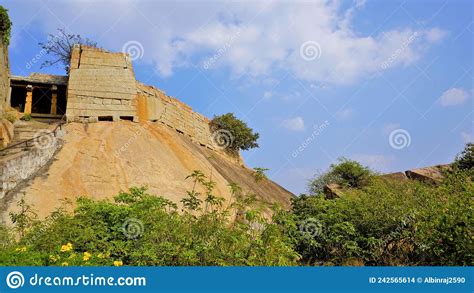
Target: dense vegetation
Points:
(380, 222)
(233, 134)
(346, 173)
(5, 26)
(141, 229)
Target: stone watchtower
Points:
(101, 86)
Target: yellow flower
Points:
(66, 247)
(118, 263)
(86, 256)
(64, 264)
(100, 255)
(20, 249)
(54, 258)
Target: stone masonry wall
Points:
(4, 76)
(155, 105)
(100, 83)
(22, 166)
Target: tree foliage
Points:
(141, 229)
(387, 222)
(347, 173)
(232, 133)
(465, 160)
(5, 26)
(60, 45)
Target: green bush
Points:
(5, 26)
(346, 173)
(232, 134)
(26, 117)
(465, 160)
(386, 223)
(140, 229)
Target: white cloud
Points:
(453, 97)
(467, 137)
(375, 161)
(435, 35)
(253, 39)
(294, 124)
(346, 114)
(267, 95)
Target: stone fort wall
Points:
(101, 85)
(154, 105)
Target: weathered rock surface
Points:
(398, 176)
(332, 191)
(100, 159)
(431, 175)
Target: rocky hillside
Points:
(100, 159)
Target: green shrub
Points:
(346, 173)
(5, 26)
(232, 134)
(140, 229)
(259, 174)
(465, 160)
(386, 223)
(26, 117)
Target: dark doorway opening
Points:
(41, 100)
(18, 98)
(61, 102)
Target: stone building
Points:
(101, 86)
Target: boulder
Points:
(332, 191)
(431, 175)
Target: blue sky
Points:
(388, 83)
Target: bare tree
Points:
(59, 47)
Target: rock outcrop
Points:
(100, 159)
